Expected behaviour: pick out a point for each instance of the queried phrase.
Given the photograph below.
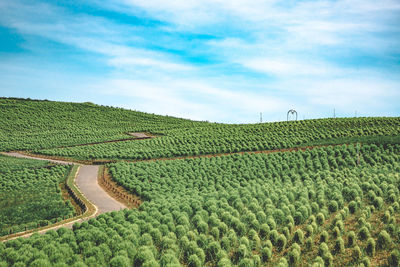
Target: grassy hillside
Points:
(283, 209)
(29, 124)
(30, 194)
(43, 126)
(225, 138)
(321, 206)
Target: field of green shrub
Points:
(317, 207)
(324, 206)
(213, 139)
(46, 127)
(30, 195)
(9, 164)
(29, 124)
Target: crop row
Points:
(31, 197)
(213, 139)
(321, 206)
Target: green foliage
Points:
(294, 256)
(10, 164)
(281, 242)
(356, 253)
(266, 254)
(211, 211)
(224, 262)
(298, 236)
(351, 239)
(370, 247)
(394, 258)
(384, 240)
(120, 261)
(323, 249)
(309, 243)
(339, 246)
(58, 124)
(324, 237)
(318, 262)
(333, 206)
(29, 197)
(366, 262)
(320, 218)
(363, 233)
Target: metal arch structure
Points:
(291, 112)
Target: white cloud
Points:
(287, 67)
(284, 40)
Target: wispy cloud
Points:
(211, 60)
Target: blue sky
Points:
(219, 60)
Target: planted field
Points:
(9, 164)
(213, 139)
(31, 197)
(294, 208)
(317, 206)
(28, 124)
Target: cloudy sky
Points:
(215, 60)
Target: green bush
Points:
(394, 258)
(320, 219)
(339, 246)
(386, 217)
(293, 257)
(194, 261)
(370, 248)
(353, 207)
(256, 260)
(246, 262)
(351, 239)
(281, 242)
(378, 202)
(366, 262)
(309, 230)
(224, 262)
(363, 234)
(273, 236)
(283, 263)
(309, 243)
(356, 253)
(264, 231)
(384, 240)
(318, 262)
(298, 236)
(323, 249)
(336, 232)
(324, 237)
(328, 259)
(266, 254)
(333, 206)
(120, 261)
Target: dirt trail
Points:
(19, 155)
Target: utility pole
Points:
(356, 113)
(334, 113)
(260, 117)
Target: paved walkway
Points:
(88, 185)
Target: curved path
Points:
(89, 186)
(87, 183)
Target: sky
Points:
(216, 60)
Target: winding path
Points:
(87, 183)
